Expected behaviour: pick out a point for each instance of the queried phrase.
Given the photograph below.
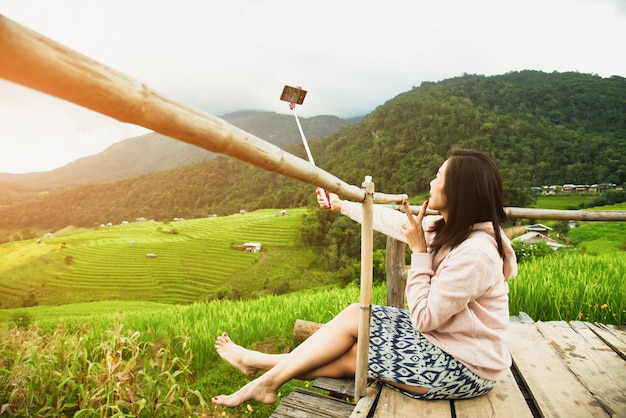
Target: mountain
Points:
(540, 128)
(128, 158)
(154, 152)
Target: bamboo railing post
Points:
(396, 272)
(367, 238)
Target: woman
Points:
(452, 343)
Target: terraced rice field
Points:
(189, 259)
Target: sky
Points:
(351, 56)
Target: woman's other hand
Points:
(413, 229)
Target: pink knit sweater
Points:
(457, 299)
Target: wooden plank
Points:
(612, 335)
(343, 387)
(599, 368)
(619, 330)
(302, 403)
(393, 404)
(556, 391)
(364, 406)
(504, 400)
(569, 369)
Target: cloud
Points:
(40, 132)
(351, 56)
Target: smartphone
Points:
(324, 197)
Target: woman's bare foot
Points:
(254, 391)
(235, 355)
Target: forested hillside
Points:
(541, 128)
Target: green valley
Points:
(179, 261)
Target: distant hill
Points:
(128, 158)
(154, 152)
(540, 128)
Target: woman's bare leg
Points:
(250, 362)
(328, 352)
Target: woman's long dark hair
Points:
(473, 188)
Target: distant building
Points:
(544, 190)
(576, 188)
(549, 190)
(252, 247)
(602, 187)
(534, 237)
(538, 233)
(540, 228)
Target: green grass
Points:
(596, 238)
(573, 201)
(196, 260)
(48, 354)
(563, 201)
(49, 317)
(567, 287)
(572, 286)
(186, 333)
(616, 206)
(589, 237)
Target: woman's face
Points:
(438, 200)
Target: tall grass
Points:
(73, 372)
(153, 363)
(162, 361)
(572, 286)
(249, 322)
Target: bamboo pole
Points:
(574, 215)
(32, 60)
(554, 214)
(396, 271)
(367, 248)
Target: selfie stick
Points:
(295, 95)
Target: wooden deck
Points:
(560, 369)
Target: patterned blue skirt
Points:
(398, 353)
